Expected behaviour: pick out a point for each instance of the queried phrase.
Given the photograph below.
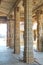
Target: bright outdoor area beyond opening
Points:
(3, 34)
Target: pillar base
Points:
(29, 60)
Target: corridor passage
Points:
(7, 57)
(21, 32)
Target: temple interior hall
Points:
(21, 32)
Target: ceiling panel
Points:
(37, 3)
(6, 5)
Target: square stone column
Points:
(41, 39)
(39, 34)
(28, 37)
(38, 30)
(17, 31)
(11, 33)
(8, 33)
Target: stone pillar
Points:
(11, 33)
(38, 13)
(17, 31)
(8, 33)
(41, 39)
(28, 40)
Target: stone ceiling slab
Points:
(6, 5)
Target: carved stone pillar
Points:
(28, 40)
(38, 13)
(17, 31)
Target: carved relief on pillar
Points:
(38, 13)
(28, 40)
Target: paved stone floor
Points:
(7, 57)
(38, 57)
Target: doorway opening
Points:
(3, 35)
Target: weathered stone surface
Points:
(28, 45)
(17, 32)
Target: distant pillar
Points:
(8, 33)
(11, 33)
(17, 31)
(38, 13)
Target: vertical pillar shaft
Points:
(38, 31)
(39, 38)
(11, 33)
(28, 40)
(8, 33)
(17, 33)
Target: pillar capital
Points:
(38, 12)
